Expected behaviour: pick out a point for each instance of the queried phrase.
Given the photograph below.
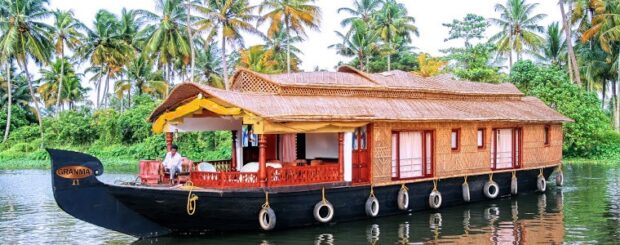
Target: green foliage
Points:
(473, 63)
(19, 117)
(471, 27)
(70, 127)
(591, 134)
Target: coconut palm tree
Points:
(392, 22)
(51, 80)
(65, 33)
(293, 15)
(581, 14)
(166, 42)
(6, 78)
(360, 42)
(606, 28)
(277, 45)
(17, 96)
(228, 18)
(142, 77)
(362, 10)
(209, 66)
(26, 37)
(259, 59)
(553, 50)
(106, 51)
(130, 24)
(519, 28)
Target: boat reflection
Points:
(534, 218)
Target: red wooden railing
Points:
(302, 175)
(286, 176)
(224, 179)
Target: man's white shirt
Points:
(173, 161)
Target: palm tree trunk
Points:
(604, 94)
(99, 86)
(367, 62)
(569, 45)
(288, 45)
(34, 99)
(191, 43)
(104, 99)
(10, 102)
(617, 111)
(360, 58)
(62, 74)
(510, 60)
(224, 64)
(389, 59)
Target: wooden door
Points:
(361, 155)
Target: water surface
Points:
(586, 210)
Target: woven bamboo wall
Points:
(468, 159)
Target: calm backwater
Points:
(586, 210)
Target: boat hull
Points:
(238, 210)
(144, 211)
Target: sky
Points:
(429, 16)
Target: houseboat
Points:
(323, 147)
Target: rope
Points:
(323, 196)
(541, 173)
(491, 176)
(514, 174)
(435, 184)
(191, 199)
(266, 204)
(403, 187)
(372, 191)
(465, 182)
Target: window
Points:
(506, 148)
(481, 138)
(455, 139)
(412, 154)
(547, 135)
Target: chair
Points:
(149, 171)
(316, 162)
(183, 176)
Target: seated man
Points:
(172, 163)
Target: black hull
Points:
(238, 210)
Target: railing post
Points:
(169, 139)
(262, 160)
(233, 163)
(341, 155)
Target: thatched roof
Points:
(351, 95)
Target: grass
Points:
(109, 165)
(584, 161)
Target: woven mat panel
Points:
(381, 153)
(388, 93)
(535, 153)
(468, 159)
(249, 83)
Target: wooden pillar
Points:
(233, 161)
(262, 159)
(169, 140)
(341, 155)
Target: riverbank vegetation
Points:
(131, 61)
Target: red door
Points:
(361, 155)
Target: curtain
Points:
(410, 154)
(394, 155)
(504, 148)
(288, 148)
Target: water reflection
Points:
(28, 214)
